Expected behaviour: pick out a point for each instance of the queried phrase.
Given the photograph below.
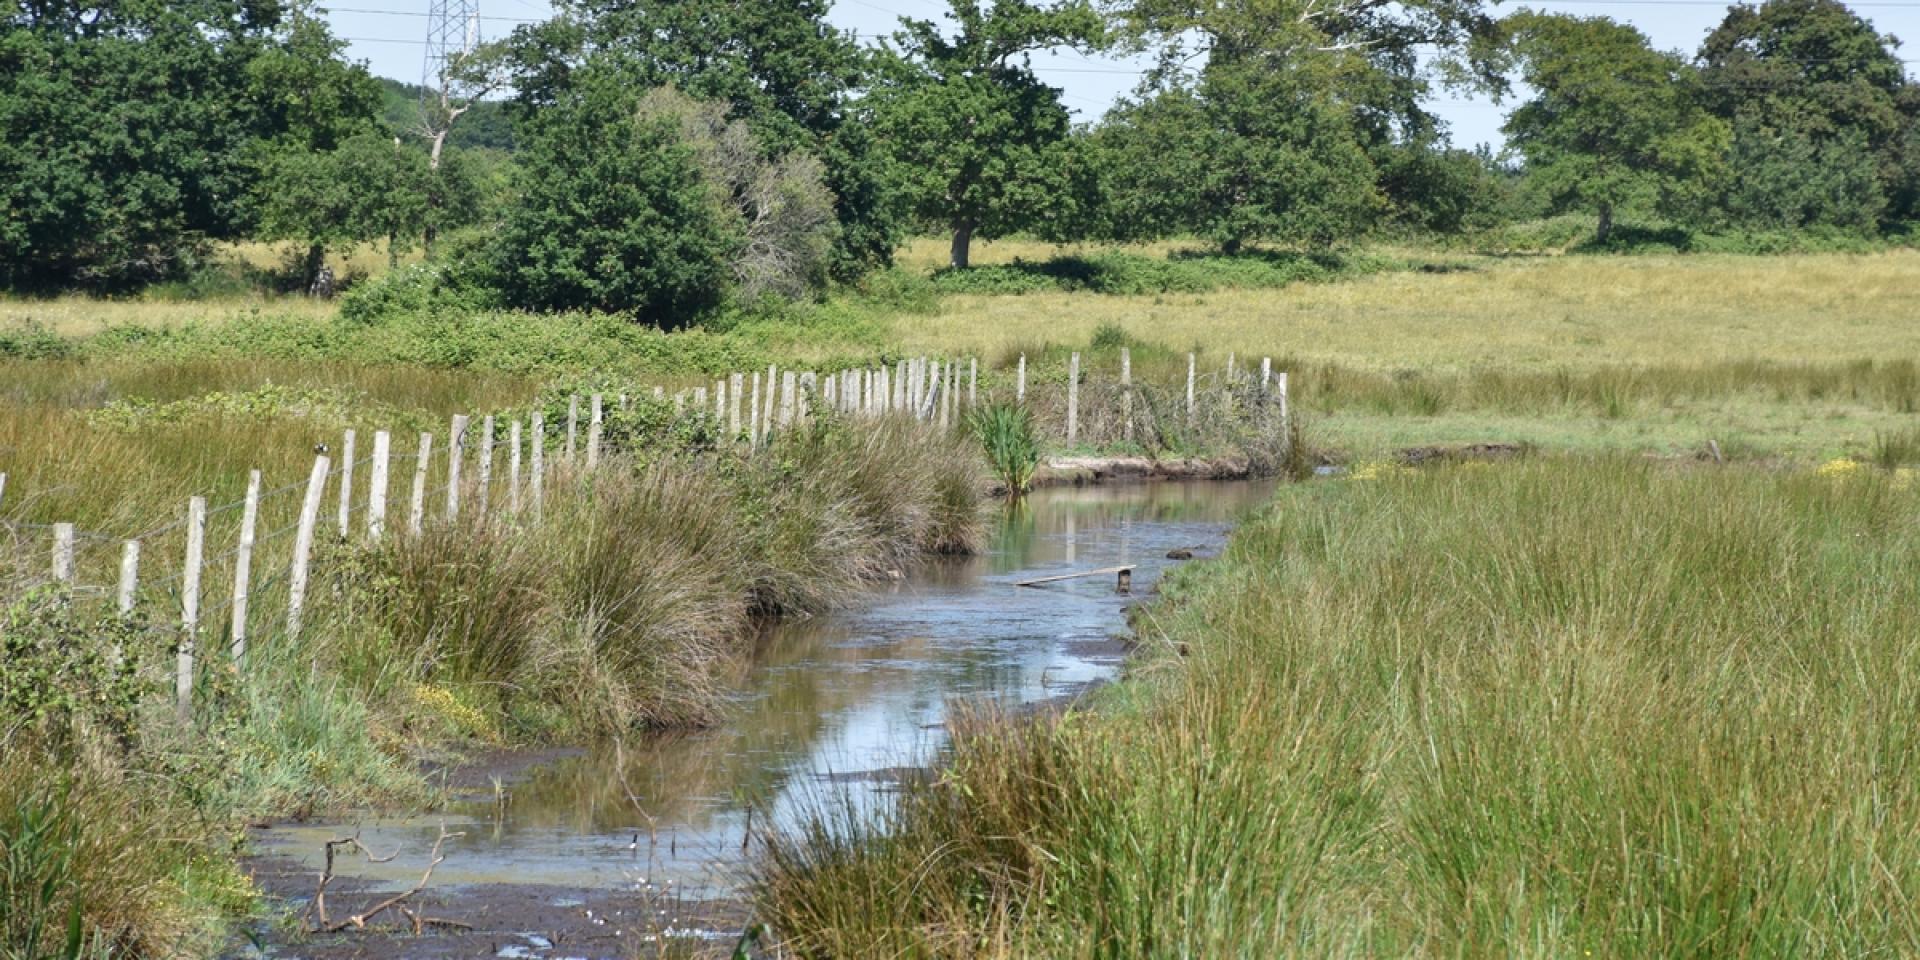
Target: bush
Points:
(1128, 274)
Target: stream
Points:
(841, 702)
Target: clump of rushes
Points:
(1006, 432)
(1448, 711)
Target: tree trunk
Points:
(1232, 246)
(310, 270)
(1606, 225)
(962, 245)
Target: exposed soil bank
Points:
(1080, 471)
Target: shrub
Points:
(1013, 451)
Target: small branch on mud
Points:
(318, 910)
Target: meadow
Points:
(1632, 379)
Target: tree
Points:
(1303, 121)
(1247, 154)
(779, 67)
(982, 147)
(614, 214)
(779, 207)
(1821, 111)
(1612, 122)
(368, 188)
(134, 130)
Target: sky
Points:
(389, 34)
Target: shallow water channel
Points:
(838, 702)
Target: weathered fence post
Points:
(418, 515)
(3, 486)
(1190, 372)
(485, 477)
(1281, 395)
(753, 414)
(897, 397)
(1266, 372)
(573, 424)
(346, 482)
(1126, 393)
(789, 385)
(190, 605)
(1073, 399)
(513, 468)
(243, 565)
(129, 578)
(63, 554)
(303, 544)
(377, 485)
(946, 394)
(735, 383)
(973, 382)
(1229, 369)
(537, 477)
(456, 453)
(1020, 381)
(596, 418)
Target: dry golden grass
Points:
(79, 316)
(1533, 314)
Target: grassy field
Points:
(1566, 707)
(1519, 315)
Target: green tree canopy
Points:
(780, 67)
(1611, 122)
(980, 145)
(1823, 116)
(134, 130)
(614, 214)
(371, 186)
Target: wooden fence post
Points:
(456, 452)
(1190, 372)
(377, 485)
(346, 482)
(129, 576)
(303, 544)
(1281, 393)
(1073, 399)
(1266, 372)
(1126, 393)
(485, 478)
(513, 468)
(1020, 381)
(596, 416)
(789, 406)
(243, 564)
(944, 374)
(1229, 369)
(537, 478)
(573, 421)
(736, 383)
(973, 382)
(753, 414)
(63, 554)
(418, 515)
(190, 606)
(3, 486)
(897, 396)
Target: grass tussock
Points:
(1540, 709)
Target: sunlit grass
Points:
(1515, 315)
(1567, 707)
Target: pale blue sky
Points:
(388, 34)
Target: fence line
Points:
(749, 408)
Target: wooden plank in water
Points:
(1128, 568)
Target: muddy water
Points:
(839, 702)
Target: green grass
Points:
(1549, 708)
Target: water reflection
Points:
(850, 697)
